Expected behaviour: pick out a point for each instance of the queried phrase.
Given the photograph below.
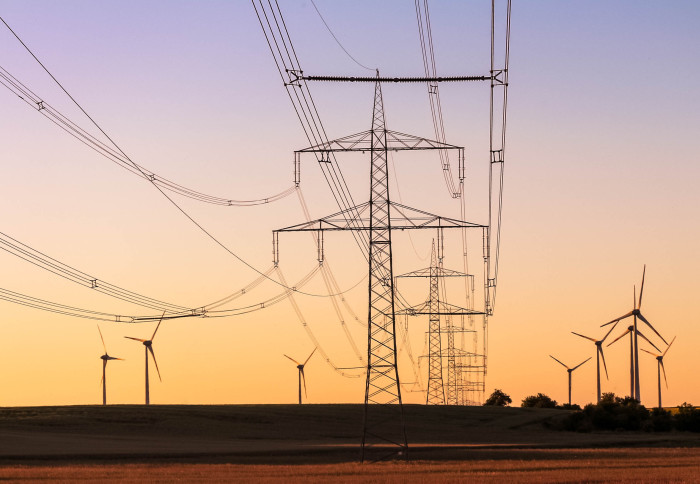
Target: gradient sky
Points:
(601, 178)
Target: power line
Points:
(145, 175)
(43, 261)
(288, 67)
(47, 110)
(336, 39)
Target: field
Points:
(318, 443)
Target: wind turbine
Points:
(105, 358)
(300, 367)
(660, 366)
(148, 346)
(636, 313)
(570, 370)
(630, 330)
(599, 354)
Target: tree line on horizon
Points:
(610, 413)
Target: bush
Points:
(611, 413)
(498, 399)
(661, 420)
(538, 401)
(688, 418)
(570, 406)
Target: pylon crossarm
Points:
(402, 218)
(402, 80)
(396, 141)
(441, 272)
(444, 309)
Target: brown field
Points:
(319, 443)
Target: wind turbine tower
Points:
(631, 332)
(148, 347)
(599, 354)
(570, 371)
(660, 366)
(300, 367)
(105, 358)
(637, 314)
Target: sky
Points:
(600, 179)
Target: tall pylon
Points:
(435, 308)
(384, 434)
(436, 389)
(383, 386)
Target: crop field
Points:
(320, 443)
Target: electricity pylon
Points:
(384, 433)
(435, 308)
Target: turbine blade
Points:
(602, 355)
(669, 345)
(135, 339)
(641, 290)
(619, 337)
(312, 353)
(581, 363)
(652, 328)
(103, 340)
(634, 296)
(114, 358)
(663, 369)
(304, 379)
(582, 336)
(608, 333)
(647, 351)
(150, 348)
(559, 362)
(158, 326)
(647, 340)
(618, 319)
(295, 361)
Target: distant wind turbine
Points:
(636, 313)
(105, 358)
(300, 367)
(599, 354)
(570, 370)
(660, 366)
(148, 346)
(630, 331)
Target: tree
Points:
(498, 399)
(539, 401)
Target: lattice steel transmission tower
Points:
(436, 308)
(384, 432)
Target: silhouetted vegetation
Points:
(626, 413)
(498, 399)
(569, 406)
(539, 401)
(688, 418)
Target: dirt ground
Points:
(314, 443)
(512, 466)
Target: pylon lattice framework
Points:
(384, 432)
(435, 308)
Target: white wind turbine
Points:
(630, 331)
(105, 358)
(636, 313)
(660, 366)
(569, 371)
(148, 346)
(300, 367)
(599, 354)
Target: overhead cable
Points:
(145, 175)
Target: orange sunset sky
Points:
(601, 177)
